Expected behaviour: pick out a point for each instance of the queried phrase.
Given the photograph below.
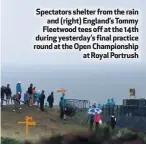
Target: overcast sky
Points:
(20, 25)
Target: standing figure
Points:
(50, 100)
(91, 113)
(97, 118)
(26, 96)
(34, 95)
(113, 121)
(37, 97)
(61, 105)
(41, 99)
(16, 99)
(30, 94)
(2, 95)
(8, 94)
(18, 88)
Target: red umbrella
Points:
(61, 91)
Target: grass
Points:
(103, 135)
(50, 129)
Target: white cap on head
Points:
(18, 92)
(19, 82)
(38, 90)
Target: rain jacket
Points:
(18, 88)
(63, 101)
(25, 97)
(112, 102)
(97, 118)
(100, 106)
(91, 113)
(108, 102)
(37, 94)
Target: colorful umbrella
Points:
(61, 91)
(94, 111)
(91, 111)
(98, 110)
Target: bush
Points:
(6, 140)
(102, 135)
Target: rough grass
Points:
(50, 129)
(103, 135)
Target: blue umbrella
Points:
(94, 111)
(98, 110)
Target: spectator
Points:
(112, 102)
(41, 99)
(113, 121)
(8, 93)
(30, 93)
(100, 106)
(91, 113)
(16, 99)
(2, 95)
(34, 94)
(18, 88)
(61, 105)
(26, 96)
(50, 100)
(37, 97)
(108, 102)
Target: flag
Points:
(132, 92)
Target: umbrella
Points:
(91, 111)
(61, 91)
(98, 110)
(94, 111)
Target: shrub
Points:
(102, 135)
(6, 140)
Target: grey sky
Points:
(96, 81)
(19, 26)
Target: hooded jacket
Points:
(18, 88)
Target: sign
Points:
(27, 123)
(132, 92)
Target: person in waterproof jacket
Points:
(99, 106)
(26, 97)
(16, 99)
(30, 93)
(97, 118)
(2, 95)
(112, 102)
(41, 99)
(37, 94)
(91, 114)
(61, 105)
(113, 121)
(8, 94)
(18, 88)
(50, 100)
(108, 102)
(34, 94)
